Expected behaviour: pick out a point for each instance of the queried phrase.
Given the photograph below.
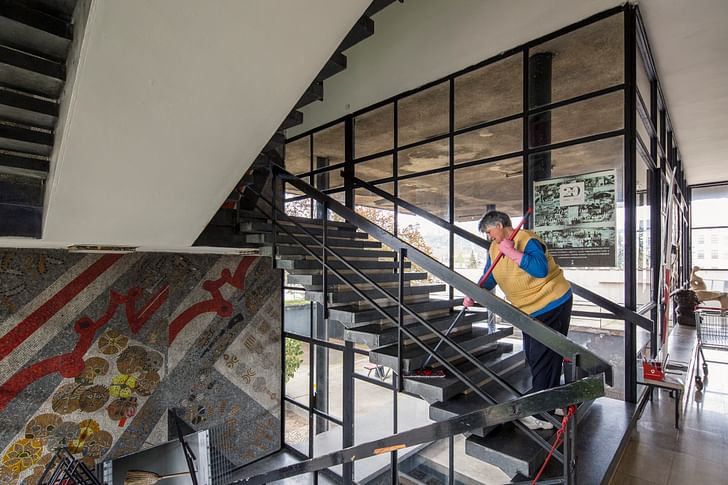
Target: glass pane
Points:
(374, 131)
(643, 239)
(643, 80)
(710, 251)
(491, 186)
(297, 366)
(297, 313)
(576, 120)
(376, 169)
(373, 405)
(341, 198)
(710, 206)
(330, 179)
(489, 93)
(489, 142)
(424, 157)
(375, 208)
(329, 381)
(598, 222)
(429, 192)
(298, 156)
(297, 428)
(328, 146)
(20, 190)
(585, 60)
(423, 114)
(469, 257)
(299, 208)
(429, 238)
(642, 132)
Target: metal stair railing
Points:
(561, 344)
(617, 311)
(559, 397)
(398, 322)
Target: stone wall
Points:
(94, 349)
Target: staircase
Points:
(350, 295)
(35, 39)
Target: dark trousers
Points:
(546, 364)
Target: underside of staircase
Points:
(35, 38)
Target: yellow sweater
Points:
(526, 292)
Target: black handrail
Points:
(582, 390)
(402, 306)
(618, 310)
(561, 344)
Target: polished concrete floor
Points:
(697, 453)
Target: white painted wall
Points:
(420, 41)
(172, 101)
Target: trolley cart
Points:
(712, 334)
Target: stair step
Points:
(16, 77)
(349, 296)
(36, 18)
(317, 222)
(20, 220)
(376, 6)
(507, 357)
(24, 139)
(29, 62)
(24, 108)
(315, 92)
(298, 253)
(314, 267)
(294, 118)
(379, 335)
(363, 28)
(315, 281)
(467, 403)
(26, 38)
(414, 357)
(335, 64)
(510, 449)
(24, 163)
(224, 217)
(333, 242)
(61, 9)
(275, 145)
(225, 237)
(349, 314)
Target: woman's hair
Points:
(491, 218)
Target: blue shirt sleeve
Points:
(490, 282)
(534, 260)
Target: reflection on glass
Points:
(429, 238)
(297, 367)
(376, 169)
(492, 186)
(469, 257)
(374, 131)
(587, 59)
(298, 156)
(489, 93)
(489, 142)
(297, 313)
(299, 208)
(331, 179)
(328, 146)
(296, 428)
(429, 192)
(424, 157)
(576, 120)
(644, 263)
(643, 80)
(423, 114)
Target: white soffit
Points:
(172, 102)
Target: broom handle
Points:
(179, 474)
(452, 325)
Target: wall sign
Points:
(576, 217)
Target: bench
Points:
(679, 365)
(379, 370)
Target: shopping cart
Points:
(712, 334)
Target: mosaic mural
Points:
(95, 349)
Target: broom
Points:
(141, 477)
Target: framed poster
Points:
(577, 218)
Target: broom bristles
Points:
(143, 477)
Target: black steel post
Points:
(570, 433)
(400, 318)
(630, 206)
(653, 191)
(349, 162)
(451, 461)
(347, 471)
(539, 125)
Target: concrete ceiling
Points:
(690, 45)
(172, 101)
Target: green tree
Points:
(294, 351)
(473, 262)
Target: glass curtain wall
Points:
(573, 124)
(709, 236)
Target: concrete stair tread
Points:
(298, 253)
(314, 282)
(378, 335)
(505, 358)
(297, 264)
(414, 356)
(350, 296)
(333, 242)
(267, 227)
(351, 314)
